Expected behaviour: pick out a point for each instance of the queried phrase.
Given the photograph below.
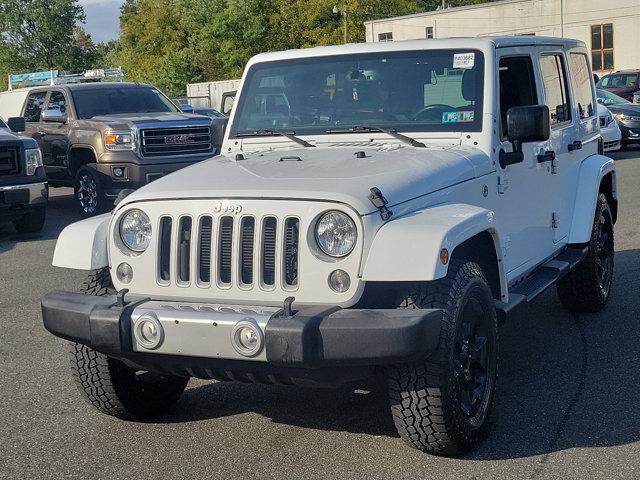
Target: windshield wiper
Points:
(264, 132)
(389, 131)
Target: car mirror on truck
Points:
(186, 108)
(525, 124)
(53, 115)
(17, 124)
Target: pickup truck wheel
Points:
(31, 222)
(441, 405)
(110, 385)
(89, 193)
(587, 288)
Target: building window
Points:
(430, 32)
(385, 37)
(602, 46)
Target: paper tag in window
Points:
(464, 60)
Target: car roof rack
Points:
(59, 77)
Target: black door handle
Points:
(577, 145)
(548, 156)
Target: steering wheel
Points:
(440, 107)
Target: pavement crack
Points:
(562, 425)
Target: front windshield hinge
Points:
(380, 203)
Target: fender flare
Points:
(84, 245)
(408, 248)
(592, 170)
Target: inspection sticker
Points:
(464, 60)
(465, 116)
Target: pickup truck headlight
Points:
(336, 234)
(33, 160)
(135, 230)
(118, 140)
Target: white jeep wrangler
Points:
(378, 209)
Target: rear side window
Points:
(57, 102)
(620, 80)
(555, 89)
(581, 82)
(32, 111)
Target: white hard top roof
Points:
(476, 43)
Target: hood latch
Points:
(380, 203)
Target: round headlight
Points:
(135, 230)
(336, 234)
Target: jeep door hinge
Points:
(555, 222)
(378, 201)
(503, 184)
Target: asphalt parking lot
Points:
(567, 405)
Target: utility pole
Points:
(562, 18)
(345, 20)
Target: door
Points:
(525, 203)
(54, 135)
(565, 142)
(33, 107)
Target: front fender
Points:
(83, 245)
(592, 170)
(408, 249)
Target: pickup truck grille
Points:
(9, 160)
(226, 251)
(156, 142)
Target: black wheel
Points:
(89, 193)
(32, 222)
(587, 288)
(110, 385)
(441, 405)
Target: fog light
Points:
(247, 338)
(118, 172)
(124, 272)
(339, 281)
(148, 331)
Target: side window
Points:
(581, 81)
(517, 86)
(57, 102)
(555, 89)
(33, 109)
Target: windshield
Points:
(608, 98)
(92, 102)
(422, 91)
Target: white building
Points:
(611, 29)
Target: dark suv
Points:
(103, 138)
(23, 186)
(624, 83)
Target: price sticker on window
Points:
(464, 60)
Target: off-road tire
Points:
(587, 288)
(89, 193)
(32, 222)
(113, 387)
(425, 401)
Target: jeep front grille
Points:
(9, 160)
(155, 142)
(229, 251)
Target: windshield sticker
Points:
(465, 116)
(464, 60)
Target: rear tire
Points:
(32, 222)
(89, 193)
(587, 288)
(110, 385)
(441, 405)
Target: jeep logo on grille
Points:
(178, 139)
(225, 207)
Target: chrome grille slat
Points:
(185, 140)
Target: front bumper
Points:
(17, 199)
(197, 336)
(630, 132)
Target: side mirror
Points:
(525, 124)
(600, 101)
(53, 115)
(186, 108)
(17, 124)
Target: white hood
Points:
(332, 174)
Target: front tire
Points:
(587, 288)
(113, 387)
(441, 405)
(89, 193)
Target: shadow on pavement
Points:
(566, 381)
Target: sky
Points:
(102, 18)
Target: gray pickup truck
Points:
(103, 138)
(23, 186)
